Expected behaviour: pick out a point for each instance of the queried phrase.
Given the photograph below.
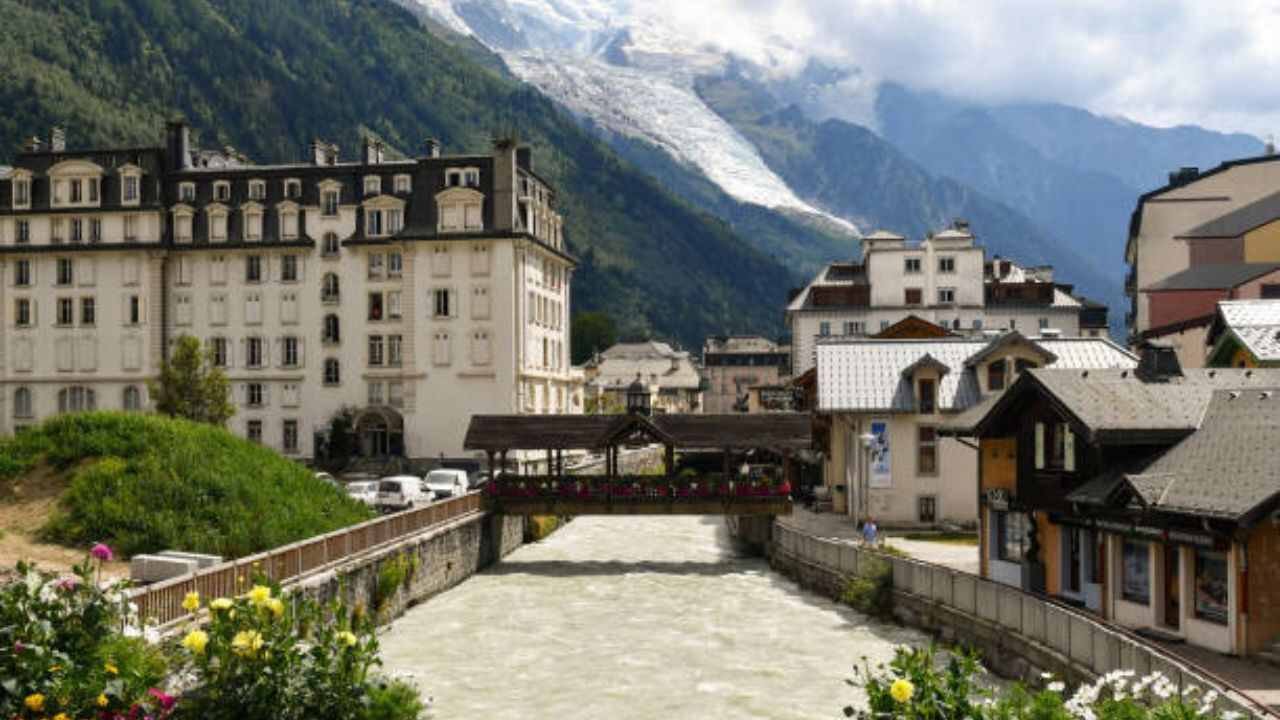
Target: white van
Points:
(447, 483)
(401, 492)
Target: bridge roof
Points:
(779, 431)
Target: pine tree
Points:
(192, 387)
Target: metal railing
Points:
(161, 602)
(1079, 636)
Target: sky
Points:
(1214, 63)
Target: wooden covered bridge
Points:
(712, 464)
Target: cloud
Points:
(1164, 63)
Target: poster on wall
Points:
(1211, 586)
(878, 455)
(1135, 580)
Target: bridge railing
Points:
(1082, 638)
(584, 487)
(161, 602)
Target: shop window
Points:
(1011, 536)
(1135, 572)
(1211, 586)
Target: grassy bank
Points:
(143, 483)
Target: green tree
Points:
(590, 332)
(192, 387)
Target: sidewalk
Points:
(840, 527)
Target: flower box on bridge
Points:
(636, 495)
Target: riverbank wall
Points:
(1019, 635)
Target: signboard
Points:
(998, 499)
(1142, 532)
(777, 399)
(879, 455)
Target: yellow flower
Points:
(276, 606)
(195, 641)
(347, 638)
(220, 604)
(102, 700)
(259, 595)
(191, 602)
(247, 642)
(55, 668)
(61, 716)
(34, 702)
(111, 669)
(902, 690)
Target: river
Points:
(635, 617)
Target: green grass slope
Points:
(144, 483)
(267, 77)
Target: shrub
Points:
(538, 527)
(870, 592)
(393, 573)
(62, 650)
(287, 658)
(145, 483)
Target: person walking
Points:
(870, 533)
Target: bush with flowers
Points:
(916, 686)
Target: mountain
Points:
(266, 78)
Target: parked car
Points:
(402, 492)
(447, 483)
(327, 478)
(366, 491)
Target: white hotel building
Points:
(416, 292)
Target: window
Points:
(218, 348)
(257, 190)
(253, 395)
(22, 273)
(56, 232)
(912, 296)
(946, 264)
(329, 203)
(995, 375)
(376, 311)
(403, 184)
(22, 316)
(332, 329)
(375, 350)
(66, 312)
(253, 352)
(393, 304)
(926, 397)
(134, 310)
(1011, 536)
(1211, 586)
(441, 302)
(21, 193)
(65, 274)
(329, 245)
(22, 403)
(217, 226)
(289, 224)
(88, 312)
(222, 191)
(373, 223)
(132, 399)
(289, 268)
(855, 327)
(187, 192)
(1135, 572)
(129, 190)
(395, 393)
(946, 295)
(372, 185)
(332, 371)
(1044, 323)
(375, 393)
(252, 226)
(1270, 291)
(23, 236)
(977, 323)
(926, 451)
(375, 266)
(76, 399)
(1055, 447)
(927, 508)
(824, 329)
(911, 265)
(253, 431)
(95, 230)
(329, 288)
(289, 436)
(77, 231)
(292, 355)
(395, 264)
(394, 345)
(292, 189)
(253, 269)
(77, 194)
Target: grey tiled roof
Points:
(1255, 323)
(866, 374)
(1239, 221)
(1213, 277)
(1227, 468)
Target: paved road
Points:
(839, 527)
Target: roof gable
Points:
(912, 326)
(1006, 340)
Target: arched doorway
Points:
(380, 431)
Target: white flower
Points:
(1046, 676)
(1057, 686)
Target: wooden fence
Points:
(161, 602)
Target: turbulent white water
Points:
(634, 618)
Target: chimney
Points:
(32, 145)
(319, 152)
(331, 154)
(960, 224)
(1184, 175)
(1157, 362)
(57, 139)
(368, 152)
(504, 183)
(178, 144)
(431, 148)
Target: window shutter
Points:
(1068, 450)
(124, 310)
(1039, 446)
(244, 352)
(142, 309)
(302, 352)
(278, 351)
(35, 316)
(266, 394)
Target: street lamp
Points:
(637, 398)
(864, 476)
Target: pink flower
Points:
(164, 699)
(67, 584)
(102, 552)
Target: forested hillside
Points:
(267, 77)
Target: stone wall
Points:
(1018, 634)
(431, 562)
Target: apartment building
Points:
(415, 291)
(738, 366)
(945, 279)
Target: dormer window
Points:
(21, 192)
(462, 177)
(471, 177)
(289, 223)
(404, 185)
(293, 188)
(329, 203)
(222, 191)
(996, 372)
(130, 189)
(926, 396)
(372, 185)
(187, 192)
(257, 190)
(217, 225)
(384, 222)
(182, 224)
